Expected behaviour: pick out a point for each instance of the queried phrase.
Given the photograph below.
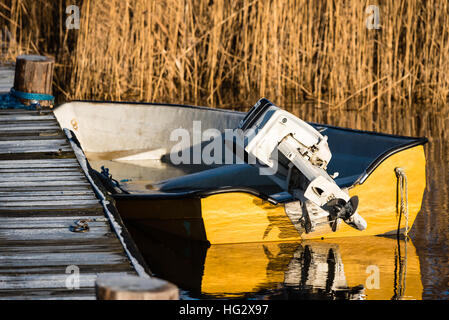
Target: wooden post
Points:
(34, 74)
(115, 287)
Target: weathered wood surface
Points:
(116, 287)
(43, 192)
(34, 74)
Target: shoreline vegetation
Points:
(229, 54)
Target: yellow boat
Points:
(231, 203)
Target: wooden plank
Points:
(16, 153)
(49, 269)
(111, 246)
(61, 259)
(107, 249)
(23, 127)
(38, 148)
(80, 242)
(29, 124)
(44, 178)
(26, 117)
(10, 133)
(53, 234)
(47, 222)
(57, 162)
(40, 188)
(41, 163)
(12, 184)
(49, 174)
(33, 146)
(48, 203)
(51, 212)
(48, 294)
(33, 193)
(46, 281)
(41, 170)
(25, 134)
(17, 197)
(33, 143)
(29, 137)
(24, 112)
(48, 219)
(52, 209)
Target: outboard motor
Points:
(295, 156)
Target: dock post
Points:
(34, 74)
(109, 287)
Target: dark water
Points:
(430, 232)
(358, 268)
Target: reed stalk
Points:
(229, 53)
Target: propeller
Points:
(341, 209)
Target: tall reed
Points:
(230, 53)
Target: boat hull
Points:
(234, 217)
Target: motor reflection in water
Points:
(348, 268)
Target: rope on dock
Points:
(32, 96)
(11, 100)
(8, 101)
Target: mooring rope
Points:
(400, 270)
(11, 100)
(32, 96)
(8, 101)
(403, 195)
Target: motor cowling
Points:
(297, 155)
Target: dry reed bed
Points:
(230, 53)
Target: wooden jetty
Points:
(54, 220)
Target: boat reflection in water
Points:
(345, 268)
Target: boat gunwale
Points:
(384, 156)
(146, 104)
(195, 194)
